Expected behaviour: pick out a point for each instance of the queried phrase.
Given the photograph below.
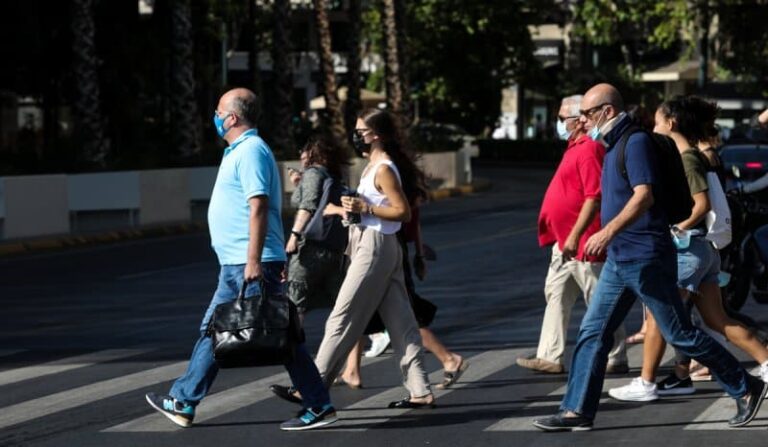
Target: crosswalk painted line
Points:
(65, 400)
(217, 404)
(525, 423)
(716, 416)
(66, 364)
(371, 411)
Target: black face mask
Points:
(359, 144)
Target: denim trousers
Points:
(654, 281)
(192, 387)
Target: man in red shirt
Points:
(569, 216)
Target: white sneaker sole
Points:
(323, 423)
(676, 391)
(178, 420)
(647, 398)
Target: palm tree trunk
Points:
(185, 120)
(354, 84)
(333, 118)
(392, 70)
(402, 59)
(88, 118)
(282, 141)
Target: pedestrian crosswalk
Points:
(362, 415)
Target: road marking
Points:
(161, 271)
(217, 404)
(66, 364)
(372, 410)
(66, 400)
(716, 416)
(525, 423)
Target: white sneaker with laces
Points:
(636, 391)
(379, 343)
(764, 372)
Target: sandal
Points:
(340, 381)
(701, 375)
(451, 377)
(408, 404)
(635, 338)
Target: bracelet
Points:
(296, 233)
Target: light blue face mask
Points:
(595, 133)
(218, 122)
(562, 132)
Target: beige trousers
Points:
(374, 281)
(565, 282)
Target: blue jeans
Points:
(654, 282)
(192, 387)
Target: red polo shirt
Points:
(576, 179)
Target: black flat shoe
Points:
(406, 403)
(285, 393)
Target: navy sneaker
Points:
(672, 386)
(559, 422)
(748, 406)
(180, 413)
(311, 418)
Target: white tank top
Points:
(368, 192)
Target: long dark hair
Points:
(695, 117)
(386, 127)
(320, 151)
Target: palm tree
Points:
(333, 118)
(88, 118)
(282, 141)
(185, 120)
(392, 69)
(354, 84)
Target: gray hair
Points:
(245, 104)
(573, 104)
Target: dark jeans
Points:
(193, 386)
(654, 282)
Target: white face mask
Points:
(562, 131)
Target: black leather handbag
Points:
(254, 331)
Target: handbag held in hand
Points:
(254, 331)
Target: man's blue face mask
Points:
(218, 122)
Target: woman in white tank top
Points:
(374, 281)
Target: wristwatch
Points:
(297, 234)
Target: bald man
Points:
(246, 230)
(641, 262)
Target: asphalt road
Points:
(84, 333)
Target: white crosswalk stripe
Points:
(66, 364)
(65, 400)
(215, 405)
(716, 416)
(525, 423)
(367, 412)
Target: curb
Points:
(60, 242)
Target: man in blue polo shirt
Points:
(246, 230)
(641, 262)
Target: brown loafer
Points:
(541, 365)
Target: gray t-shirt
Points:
(310, 189)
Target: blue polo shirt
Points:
(247, 170)
(647, 237)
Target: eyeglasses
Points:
(220, 114)
(362, 132)
(563, 119)
(591, 111)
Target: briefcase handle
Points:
(262, 289)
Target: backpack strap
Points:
(621, 158)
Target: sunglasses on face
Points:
(563, 119)
(591, 111)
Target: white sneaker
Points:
(379, 343)
(636, 391)
(764, 372)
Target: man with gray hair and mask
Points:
(569, 216)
